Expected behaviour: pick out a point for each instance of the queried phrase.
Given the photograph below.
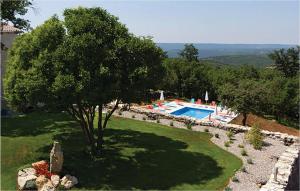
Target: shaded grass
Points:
(137, 155)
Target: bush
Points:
(228, 189)
(206, 130)
(234, 179)
(227, 144)
(230, 134)
(243, 169)
(217, 135)
(157, 121)
(120, 113)
(189, 126)
(249, 161)
(133, 116)
(230, 141)
(241, 146)
(255, 137)
(144, 118)
(244, 152)
(171, 123)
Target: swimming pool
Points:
(193, 112)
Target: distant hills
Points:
(232, 54)
(210, 50)
(259, 60)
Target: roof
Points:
(5, 28)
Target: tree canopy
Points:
(80, 65)
(245, 97)
(287, 61)
(11, 10)
(245, 89)
(190, 53)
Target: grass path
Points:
(137, 155)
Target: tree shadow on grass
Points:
(135, 160)
(35, 124)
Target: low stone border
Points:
(283, 137)
(285, 174)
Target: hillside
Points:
(211, 50)
(254, 60)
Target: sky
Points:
(168, 21)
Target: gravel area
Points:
(263, 160)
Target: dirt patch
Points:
(266, 124)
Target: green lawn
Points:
(138, 155)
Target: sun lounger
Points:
(199, 101)
(149, 106)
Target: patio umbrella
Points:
(206, 96)
(161, 96)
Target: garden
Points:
(67, 72)
(137, 155)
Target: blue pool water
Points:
(193, 112)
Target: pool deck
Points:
(219, 115)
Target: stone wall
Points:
(285, 174)
(283, 137)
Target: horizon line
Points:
(229, 43)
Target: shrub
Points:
(244, 152)
(133, 116)
(228, 189)
(120, 113)
(255, 137)
(241, 146)
(189, 126)
(42, 168)
(227, 144)
(157, 121)
(230, 134)
(171, 123)
(243, 169)
(206, 130)
(217, 135)
(249, 161)
(144, 118)
(235, 179)
(230, 141)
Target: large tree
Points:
(11, 10)
(190, 52)
(245, 97)
(187, 79)
(80, 65)
(287, 61)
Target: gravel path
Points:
(263, 160)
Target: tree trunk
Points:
(77, 113)
(102, 126)
(100, 129)
(244, 119)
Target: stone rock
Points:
(55, 180)
(69, 181)
(48, 187)
(26, 178)
(27, 171)
(56, 158)
(44, 184)
(30, 185)
(41, 181)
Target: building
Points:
(8, 34)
